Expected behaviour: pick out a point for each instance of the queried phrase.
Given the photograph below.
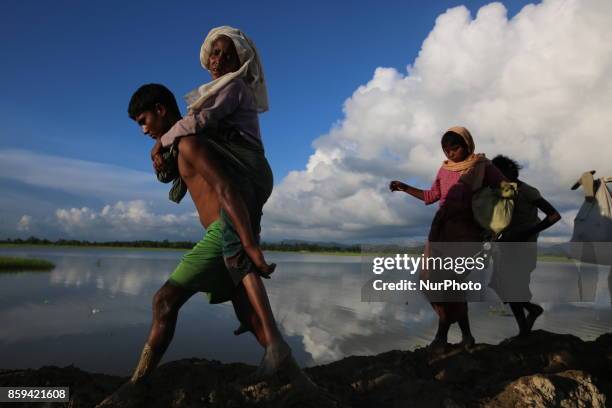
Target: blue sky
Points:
(69, 68)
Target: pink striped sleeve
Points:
(433, 194)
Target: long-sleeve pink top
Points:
(447, 187)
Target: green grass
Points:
(13, 264)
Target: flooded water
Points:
(94, 310)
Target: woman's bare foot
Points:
(468, 342)
(437, 346)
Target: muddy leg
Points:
(277, 350)
(249, 321)
(166, 304)
(258, 298)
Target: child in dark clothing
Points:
(518, 253)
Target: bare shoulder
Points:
(188, 146)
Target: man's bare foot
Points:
(128, 395)
(263, 268)
(266, 270)
(276, 356)
(278, 364)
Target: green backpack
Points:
(493, 207)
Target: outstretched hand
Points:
(396, 185)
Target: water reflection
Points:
(93, 310)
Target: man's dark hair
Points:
(147, 96)
(453, 139)
(509, 168)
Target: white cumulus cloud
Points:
(127, 220)
(536, 87)
(24, 223)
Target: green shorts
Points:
(203, 269)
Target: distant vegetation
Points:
(266, 246)
(9, 263)
(550, 253)
(303, 246)
(73, 242)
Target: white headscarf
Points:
(250, 70)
